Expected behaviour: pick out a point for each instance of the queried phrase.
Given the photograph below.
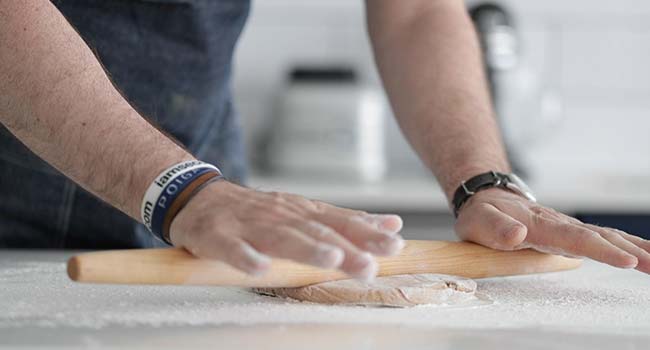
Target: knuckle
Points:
(257, 207)
(319, 230)
(350, 222)
(361, 213)
(310, 206)
(617, 231)
(268, 201)
(542, 211)
(275, 210)
(298, 199)
(582, 237)
(276, 197)
(606, 233)
(319, 207)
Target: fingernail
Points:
(387, 223)
(368, 269)
(387, 246)
(632, 264)
(328, 256)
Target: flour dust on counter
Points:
(36, 293)
(395, 291)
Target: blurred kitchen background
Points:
(570, 80)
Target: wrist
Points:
(170, 191)
(454, 178)
(144, 173)
(487, 181)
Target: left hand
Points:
(503, 220)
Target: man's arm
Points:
(428, 55)
(56, 98)
(429, 61)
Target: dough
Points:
(397, 291)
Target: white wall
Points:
(593, 55)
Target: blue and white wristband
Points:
(170, 191)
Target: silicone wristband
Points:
(170, 193)
(157, 186)
(181, 201)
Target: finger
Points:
(616, 239)
(288, 243)
(234, 252)
(643, 243)
(571, 239)
(486, 225)
(367, 232)
(388, 223)
(356, 263)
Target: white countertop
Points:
(600, 194)
(596, 306)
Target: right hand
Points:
(244, 227)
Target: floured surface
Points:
(35, 292)
(395, 291)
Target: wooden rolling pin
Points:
(177, 266)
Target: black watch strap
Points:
(477, 183)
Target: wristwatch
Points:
(487, 180)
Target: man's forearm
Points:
(56, 98)
(429, 59)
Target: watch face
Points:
(518, 185)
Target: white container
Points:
(329, 127)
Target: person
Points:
(79, 78)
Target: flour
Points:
(596, 297)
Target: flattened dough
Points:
(397, 291)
